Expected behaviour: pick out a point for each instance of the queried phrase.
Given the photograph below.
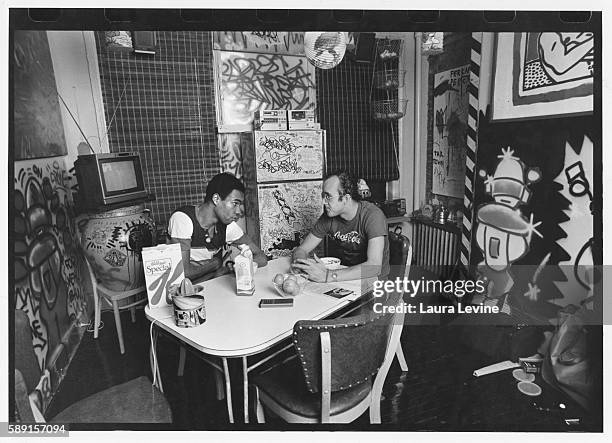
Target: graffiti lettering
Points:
(37, 171)
(229, 154)
(284, 166)
(281, 143)
(268, 36)
(48, 268)
(268, 79)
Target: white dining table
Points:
(236, 327)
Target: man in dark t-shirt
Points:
(356, 231)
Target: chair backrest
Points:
(400, 254)
(358, 347)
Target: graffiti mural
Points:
(450, 137)
(248, 82)
(549, 73)
(576, 179)
(534, 208)
(230, 152)
(260, 41)
(503, 232)
(288, 155)
(553, 58)
(49, 281)
(287, 212)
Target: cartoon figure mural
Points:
(503, 232)
(557, 59)
(49, 282)
(576, 177)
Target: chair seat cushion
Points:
(286, 386)
(136, 401)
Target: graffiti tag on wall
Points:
(248, 82)
(450, 137)
(48, 280)
(288, 155)
(260, 41)
(287, 212)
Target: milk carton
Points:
(245, 271)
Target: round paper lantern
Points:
(324, 49)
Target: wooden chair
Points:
(136, 401)
(113, 298)
(400, 259)
(339, 373)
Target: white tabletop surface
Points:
(235, 326)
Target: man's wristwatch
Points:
(333, 275)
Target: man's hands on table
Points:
(314, 268)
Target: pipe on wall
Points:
(416, 177)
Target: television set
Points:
(109, 179)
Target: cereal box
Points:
(163, 266)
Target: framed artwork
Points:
(542, 74)
(39, 131)
(247, 82)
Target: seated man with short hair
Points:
(204, 230)
(356, 231)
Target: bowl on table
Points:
(331, 262)
(289, 285)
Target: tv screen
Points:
(118, 176)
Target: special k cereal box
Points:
(163, 266)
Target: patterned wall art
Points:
(289, 155)
(231, 145)
(576, 180)
(287, 212)
(263, 42)
(248, 82)
(51, 285)
(549, 74)
(39, 131)
(450, 133)
(534, 214)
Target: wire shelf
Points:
(392, 109)
(388, 49)
(389, 78)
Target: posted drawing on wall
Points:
(287, 212)
(288, 155)
(449, 135)
(247, 82)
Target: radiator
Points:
(436, 247)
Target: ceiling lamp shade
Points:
(325, 49)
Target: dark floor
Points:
(438, 393)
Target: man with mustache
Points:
(205, 230)
(356, 231)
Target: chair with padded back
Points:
(400, 259)
(136, 401)
(340, 370)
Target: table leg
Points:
(228, 391)
(245, 381)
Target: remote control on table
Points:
(275, 302)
